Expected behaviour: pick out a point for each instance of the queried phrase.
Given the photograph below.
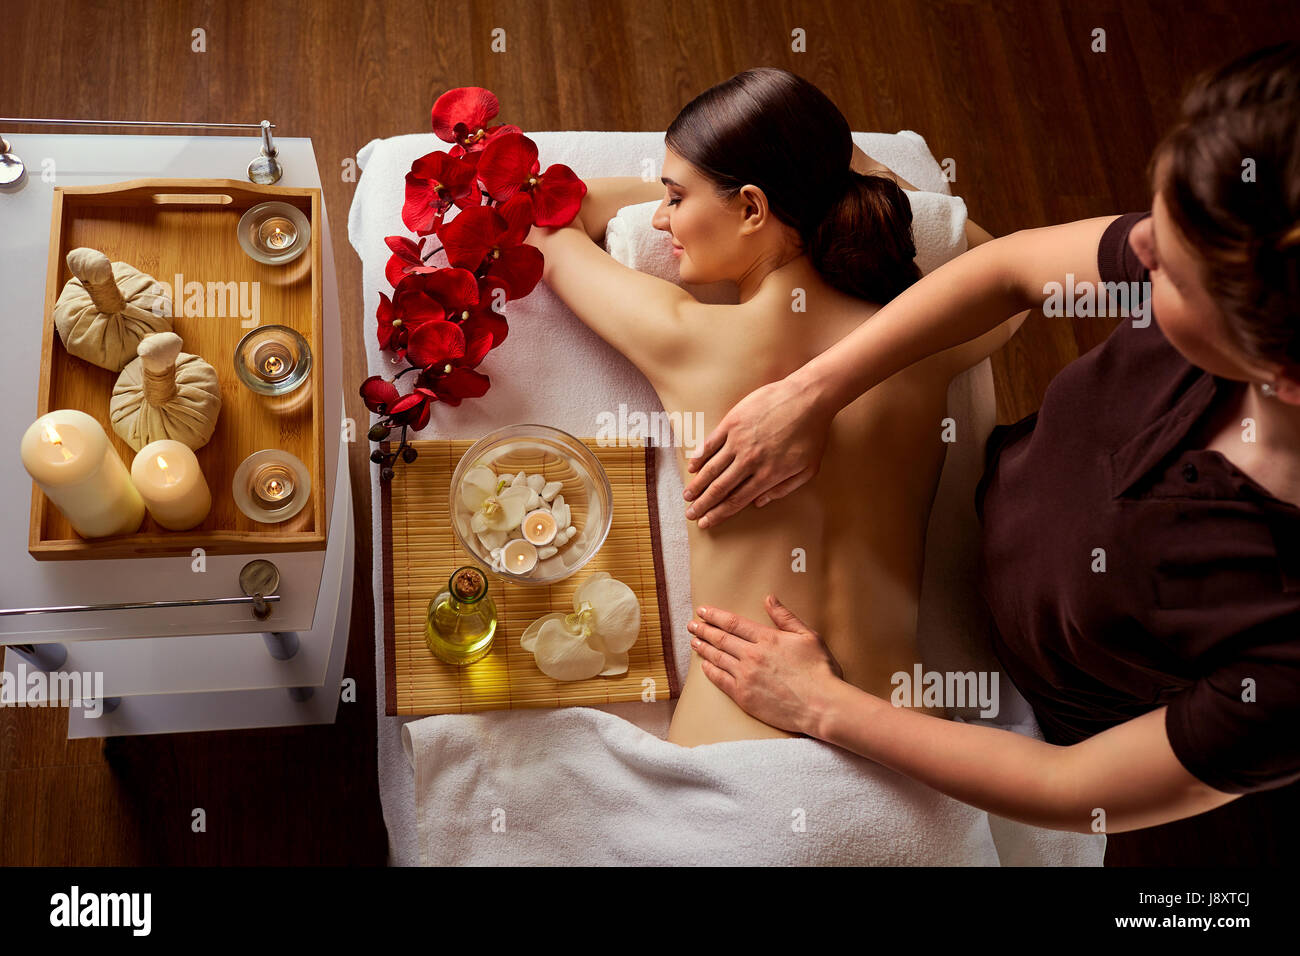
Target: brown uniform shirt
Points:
(1198, 605)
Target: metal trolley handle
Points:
(258, 580)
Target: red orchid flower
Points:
(435, 182)
(509, 165)
(391, 332)
(453, 383)
(421, 298)
(407, 259)
(461, 116)
(441, 345)
(412, 410)
(489, 314)
(448, 357)
(484, 233)
(379, 394)
(382, 398)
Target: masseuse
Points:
(1141, 532)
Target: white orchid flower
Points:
(494, 504)
(594, 639)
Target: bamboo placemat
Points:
(420, 552)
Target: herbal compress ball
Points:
(107, 308)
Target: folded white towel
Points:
(611, 766)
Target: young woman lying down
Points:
(763, 186)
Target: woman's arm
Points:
(771, 442)
(639, 314)
(784, 677)
(607, 195)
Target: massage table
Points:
(601, 785)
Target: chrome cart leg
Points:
(281, 645)
(110, 704)
(46, 657)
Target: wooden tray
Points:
(166, 227)
(420, 552)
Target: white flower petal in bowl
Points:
(477, 484)
(502, 512)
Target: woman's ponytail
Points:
(863, 244)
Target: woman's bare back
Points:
(845, 551)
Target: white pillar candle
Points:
(539, 527)
(520, 557)
(70, 457)
(169, 479)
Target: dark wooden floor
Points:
(1042, 130)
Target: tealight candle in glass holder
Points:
(272, 359)
(274, 233)
(271, 485)
(277, 234)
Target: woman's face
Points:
(1189, 318)
(705, 229)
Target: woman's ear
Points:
(1287, 388)
(753, 209)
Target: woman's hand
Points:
(780, 675)
(770, 443)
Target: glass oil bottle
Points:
(461, 620)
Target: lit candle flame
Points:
(51, 435)
(275, 488)
(169, 477)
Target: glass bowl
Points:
(556, 456)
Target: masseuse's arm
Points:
(783, 676)
(775, 436)
(1129, 772)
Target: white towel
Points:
(588, 787)
(464, 762)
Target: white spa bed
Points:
(601, 785)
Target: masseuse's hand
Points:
(769, 444)
(778, 674)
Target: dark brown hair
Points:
(1243, 118)
(772, 129)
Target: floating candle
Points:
(70, 457)
(539, 527)
(520, 556)
(168, 477)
